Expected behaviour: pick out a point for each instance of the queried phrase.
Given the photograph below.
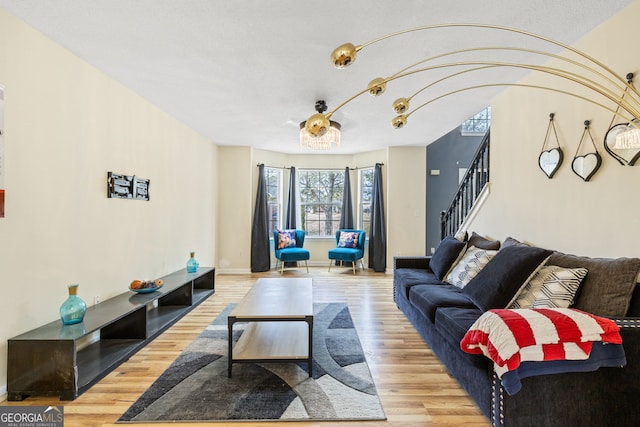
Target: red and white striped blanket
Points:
(511, 336)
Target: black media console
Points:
(66, 360)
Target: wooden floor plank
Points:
(414, 387)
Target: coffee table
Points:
(277, 310)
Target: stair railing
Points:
(474, 180)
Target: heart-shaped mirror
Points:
(586, 166)
(622, 141)
(550, 161)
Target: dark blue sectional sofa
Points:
(442, 314)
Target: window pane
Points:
(478, 124)
(273, 178)
(366, 197)
(321, 201)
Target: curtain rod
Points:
(289, 167)
(273, 167)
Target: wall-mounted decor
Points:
(127, 187)
(622, 141)
(586, 165)
(551, 159)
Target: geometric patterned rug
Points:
(195, 388)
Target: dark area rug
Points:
(196, 387)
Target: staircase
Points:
(472, 189)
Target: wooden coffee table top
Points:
(277, 298)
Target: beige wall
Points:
(66, 126)
(406, 202)
(596, 218)
(404, 196)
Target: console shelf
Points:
(66, 360)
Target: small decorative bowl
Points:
(147, 287)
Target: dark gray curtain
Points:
(377, 233)
(260, 259)
(290, 216)
(346, 217)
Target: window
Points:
(478, 124)
(321, 201)
(366, 198)
(273, 177)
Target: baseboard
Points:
(233, 270)
(324, 264)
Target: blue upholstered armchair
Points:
(350, 247)
(288, 247)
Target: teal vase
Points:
(73, 309)
(192, 264)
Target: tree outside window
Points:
(273, 179)
(478, 124)
(321, 201)
(366, 198)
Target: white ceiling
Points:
(247, 72)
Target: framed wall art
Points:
(127, 187)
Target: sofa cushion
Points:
(446, 254)
(294, 254)
(483, 243)
(497, 284)
(428, 298)
(634, 307)
(471, 263)
(405, 278)
(454, 322)
(609, 285)
(551, 287)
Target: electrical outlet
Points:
(97, 300)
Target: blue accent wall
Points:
(447, 154)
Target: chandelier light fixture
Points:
(616, 94)
(320, 139)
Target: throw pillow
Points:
(510, 241)
(348, 239)
(607, 289)
(499, 281)
(446, 254)
(483, 243)
(473, 261)
(551, 287)
(286, 239)
(461, 235)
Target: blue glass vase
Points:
(192, 264)
(73, 309)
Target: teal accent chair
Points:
(349, 254)
(297, 253)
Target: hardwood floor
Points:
(414, 387)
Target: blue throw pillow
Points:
(496, 285)
(447, 252)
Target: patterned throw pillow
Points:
(286, 239)
(469, 266)
(348, 239)
(551, 287)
